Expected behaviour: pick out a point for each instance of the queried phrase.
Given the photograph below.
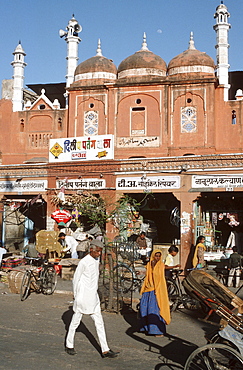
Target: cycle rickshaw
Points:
(225, 347)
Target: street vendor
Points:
(69, 244)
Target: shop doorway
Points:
(219, 216)
(161, 211)
(22, 218)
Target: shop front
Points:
(219, 217)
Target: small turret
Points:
(18, 77)
(222, 29)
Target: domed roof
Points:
(95, 68)
(191, 61)
(141, 63)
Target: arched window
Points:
(188, 119)
(91, 121)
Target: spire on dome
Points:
(191, 42)
(144, 44)
(98, 50)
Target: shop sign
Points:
(148, 183)
(23, 186)
(61, 216)
(217, 181)
(137, 142)
(79, 184)
(83, 148)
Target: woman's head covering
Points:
(155, 280)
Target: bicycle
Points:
(177, 298)
(41, 278)
(126, 278)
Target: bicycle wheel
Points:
(123, 278)
(48, 280)
(25, 286)
(214, 357)
(173, 294)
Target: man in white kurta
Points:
(86, 299)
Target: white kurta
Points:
(85, 286)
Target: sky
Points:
(119, 24)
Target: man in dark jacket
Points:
(235, 264)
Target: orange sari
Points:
(155, 280)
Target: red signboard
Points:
(61, 216)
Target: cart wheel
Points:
(214, 357)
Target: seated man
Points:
(169, 260)
(144, 245)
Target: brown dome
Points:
(144, 60)
(96, 64)
(191, 60)
(96, 68)
(142, 63)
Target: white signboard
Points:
(23, 186)
(137, 142)
(83, 148)
(148, 183)
(217, 181)
(81, 184)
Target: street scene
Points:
(121, 188)
(33, 334)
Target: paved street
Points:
(33, 333)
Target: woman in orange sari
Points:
(154, 304)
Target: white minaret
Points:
(222, 29)
(18, 78)
(72, 40)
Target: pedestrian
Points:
(69, 244)
(86, 299)
(154, 304)
(234, 267)
(169, 260)
(198, 258)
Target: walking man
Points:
(86, 299)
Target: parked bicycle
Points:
(127, 278)
(177, 297)
(40, 277)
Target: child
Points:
(234, 267)
(198, 258)
(169, 260)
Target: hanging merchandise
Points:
(214, 218)
(233, 219)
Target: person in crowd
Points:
(83, 246)
(30, 249)
(144, 247)
(169, 260)
(234, 267)
(198, 258)
(2, 252)
(154, 304)
(86, 299)
(69, 244)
